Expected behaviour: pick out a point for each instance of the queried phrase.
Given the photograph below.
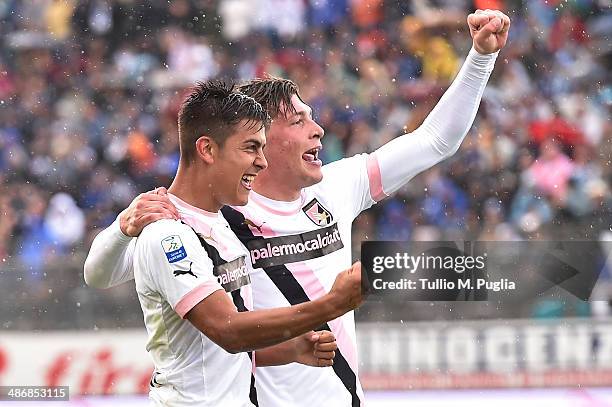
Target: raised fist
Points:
(489, 30)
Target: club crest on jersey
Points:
(173, 248)
(317, 213)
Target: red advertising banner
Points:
(102, 362)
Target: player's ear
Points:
(206, 149)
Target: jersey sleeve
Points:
(169, 253)
(350, 182)
(110, 258)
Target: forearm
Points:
(443, 130)
(109, 261)
(264, 328)
(217, 317)
(277, 355)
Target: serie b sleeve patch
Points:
(173, 248)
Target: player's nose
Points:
(318, 131)
(260, 161)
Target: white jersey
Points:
(297, 250)
(175, 269)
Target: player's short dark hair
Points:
(273, 93)
(214, 108)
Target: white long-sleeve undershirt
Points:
(109, 262)
(443, 130)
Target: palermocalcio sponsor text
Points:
(233, 275)
(292, 248)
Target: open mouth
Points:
(247, 181)
(312, 156)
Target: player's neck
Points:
(191, 186)
(271, 188)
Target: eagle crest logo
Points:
(317, 213)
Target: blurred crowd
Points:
(89, 93)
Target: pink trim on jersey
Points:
(314, 289)
(193, 297)
(180, 204)
(376, 188)
(257, 199)
(200, 226)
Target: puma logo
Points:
(181, 272)
(252, 224)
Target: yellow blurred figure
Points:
(440, 62)
(57, 18)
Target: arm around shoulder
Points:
(109, 261)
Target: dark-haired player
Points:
(193, 275)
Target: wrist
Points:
(333, 305)
(481, 62)
(294, 350)
(479, 50)
(120, 227)
(478, 53)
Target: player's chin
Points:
(241, 197)
(317, 177)
(313, 176)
